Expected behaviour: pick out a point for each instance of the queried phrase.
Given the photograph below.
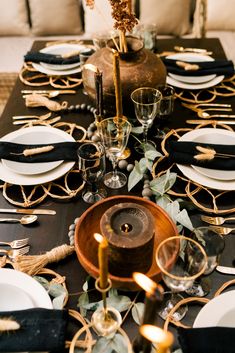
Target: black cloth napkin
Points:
(66, 151)
(207, 340)
(218, 67)
(40, 330)
(38, 57)
(184, 152)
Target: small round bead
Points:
(146, 186)
(147, 192)
(76, 220)
(77, 106)
(92, 110)
(95, 138)
(72, 226)
(71, 107)
(130, 167)
(71, 241)
(122, 164)
(83, 106)
(146, 182)
(146, 198)
(71, 233)
(146, 177)
(88, 107)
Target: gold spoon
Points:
(28, 219)
(205, 115)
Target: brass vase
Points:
(139, 67)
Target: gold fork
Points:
(218, 221)
(222, 230)
(16, 244)
(13, 253)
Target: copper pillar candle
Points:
(129, 229)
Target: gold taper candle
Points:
(117, 84)
(99, 94)
(103, 260)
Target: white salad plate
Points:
(30, 136)
(193, 86)
(192, 79)
(219, 311)
(212, 182)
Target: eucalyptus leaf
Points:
(135, 176)
(44, 282)
(56, 289)
(183, 218)
(85, 286)
(137, 312)
(103, 345)
(173, 209)
(178, 351)
(119, 343)
(112, 292)
(137, 130)
(120, 302)
(152, 154)
(163, 201)
(162, 184)
(58, 302)
(143, 165)
(83, 300)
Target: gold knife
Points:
(27, 211)
(204, 122)
(67, 91)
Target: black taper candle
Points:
(99, 94)
(153, 300)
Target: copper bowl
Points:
(89, 223)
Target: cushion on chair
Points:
(52, 17)
(13, 18)
(221, 15)
(170, 16)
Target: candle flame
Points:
(91, 67)
(98, 237)
(157, 335)
(144, 282)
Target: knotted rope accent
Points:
(37, 100)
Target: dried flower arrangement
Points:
(125, 20)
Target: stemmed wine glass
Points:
(91, 161)
(213, 244)
(147, 105)
(114, 133)
(181, 260)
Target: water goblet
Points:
(166, 108)
(181, 260)
(114, 133)
(147, 105)
(91, 161)
(213, 244)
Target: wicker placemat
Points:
(7, 81)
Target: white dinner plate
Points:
(191, 57)
(193, 86)
(30, 136)
(220, 311)
(192, 79)
(197, 177)
(219, 136)
(28, 293)
(19, 291)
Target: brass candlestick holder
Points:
(106, 320)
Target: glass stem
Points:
(145, 132)
(115, 175)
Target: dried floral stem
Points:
(209, 154)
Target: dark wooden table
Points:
(52, 231)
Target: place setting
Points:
(195, 71)
(59, 59)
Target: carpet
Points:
(7, 82)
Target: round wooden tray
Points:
(89, 223)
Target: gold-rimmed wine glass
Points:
(147, 105)
(114, 133)
(181, 260)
